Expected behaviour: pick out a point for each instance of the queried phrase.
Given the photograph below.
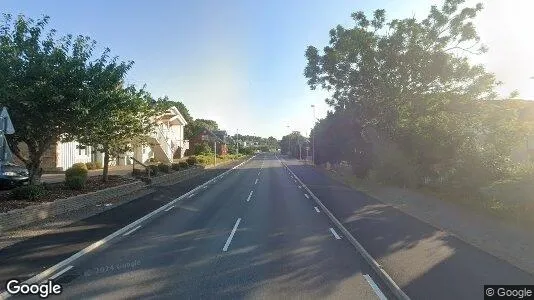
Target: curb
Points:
(46, 274)
(392, 286)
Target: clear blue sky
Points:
(237, 62)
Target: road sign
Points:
(5, 122)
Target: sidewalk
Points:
(113, 170)
(506, 241)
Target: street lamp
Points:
(313, 136)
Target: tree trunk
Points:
(105, 168)
(34, 167)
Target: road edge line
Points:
(46, 274)
(392, 285)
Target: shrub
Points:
(201, 148)
(153, 169)
(192, 160)
(90, 165)
(28, 192)
(164, 168)
(202, 160)
(176, 166)
(97, 165)
(183, 165)
(75, 182)
(153, 160)
(77, 170)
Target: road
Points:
(252, 234)
(257, 232)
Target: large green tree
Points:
(413, 82)
(48, 84)
(126, 121)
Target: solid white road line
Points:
(229, 240)
(44, 275)
(335, 233)
(375, 287)
(191, 196)
(170, 207)
(61, 272)
(395, 289)
(306, 195)
(259, 173)
(249, 195)
(256, 182)
(129, 232)
(316, 209)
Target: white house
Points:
(165, 143)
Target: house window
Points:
(80, 149)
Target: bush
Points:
(164, 168)
(153, 169)
(183, 165)
(28, 192)
(97, 165)
(176, 166)
(75, 182)
(201, 148)
(192, 160)
(77, 170)
(90, 165)
(153, 160)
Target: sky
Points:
(241, 63)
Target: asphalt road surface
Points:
(252, 234)
(256, 233)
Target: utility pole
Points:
(215, 154)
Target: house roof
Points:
(173, 114)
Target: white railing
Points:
(164, 142)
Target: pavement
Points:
(256, 233)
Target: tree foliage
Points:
(294, 144)
(125, 118)
(412, 81)
(48, 84)
(195, 127)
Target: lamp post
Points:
(313, 136)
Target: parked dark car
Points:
(13, 175)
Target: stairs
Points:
(161, 147)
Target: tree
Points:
(127, 120)
(197, 126)
(412, 81)
(293, 144)
(48, 85)
(179, 105)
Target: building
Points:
(216, 138)
(165, 143)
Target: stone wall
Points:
(35, 213)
